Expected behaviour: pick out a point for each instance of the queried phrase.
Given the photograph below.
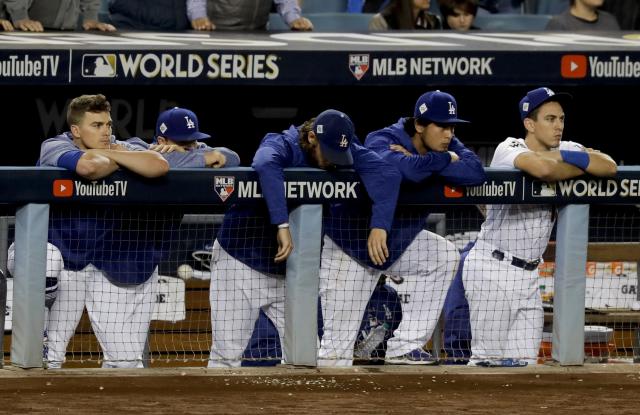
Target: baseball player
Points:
(382, 316)
(500, 273)
(108, 267)
(419, 147)
(177, 138)
(249, 266)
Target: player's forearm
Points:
(601, 165)
(94, 166)
(145, 163)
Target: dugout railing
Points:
(32, 190)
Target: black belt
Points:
(517, 262)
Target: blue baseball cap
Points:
(539, 96)
(179, 124)
(335, 132)
(437, 106)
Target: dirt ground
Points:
(593, 389)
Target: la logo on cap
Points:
(190, 123)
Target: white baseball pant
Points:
(120, 316)
(505, 307)
(428, 266)
(237, 293)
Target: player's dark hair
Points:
(86, 103)
(303, 137)
(534, 114)
(409, 126)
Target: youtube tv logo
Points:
(63, 188)
(452, 192)
(573, 66)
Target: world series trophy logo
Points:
(358, 65)
(224, 186)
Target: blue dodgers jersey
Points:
(107, 237)
(248, 231)
(410, 221)
(279, 151)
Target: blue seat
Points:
(276, 23)
(328, 22)
(512, 22)
(552, 6)
(323, 6)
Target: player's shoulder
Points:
(571, 145)
(511, 143)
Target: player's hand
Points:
(118, 147)
(202, 23)
(28, 25)
(215, 159)
(454, 157)
(96, 25)
(6, 25)
(167, 148)
(377, 245)
(301, 23)
(400, 149)
(285, 245)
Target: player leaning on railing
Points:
(109, 268)
(248, 269)
(500, 273)
(421, 147)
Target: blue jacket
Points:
(279, 151)
(416, 168)
(109, 237)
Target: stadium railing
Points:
(30, 191)
(328, 22)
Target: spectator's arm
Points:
(89, 9)
(196, 9)
(292, 15)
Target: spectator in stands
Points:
(160, 15)
(458, 14)
(37, 15)
(584, 15)
(627, 12)
(405, 15)
(243, 14)
(4, 23)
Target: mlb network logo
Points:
(63, 188)
(358, 65)
(101, 65)
(573, 66)
(224, 186)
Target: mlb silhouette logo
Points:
(543, 189)
(359, 65)
(99, 65)
(224, 186)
